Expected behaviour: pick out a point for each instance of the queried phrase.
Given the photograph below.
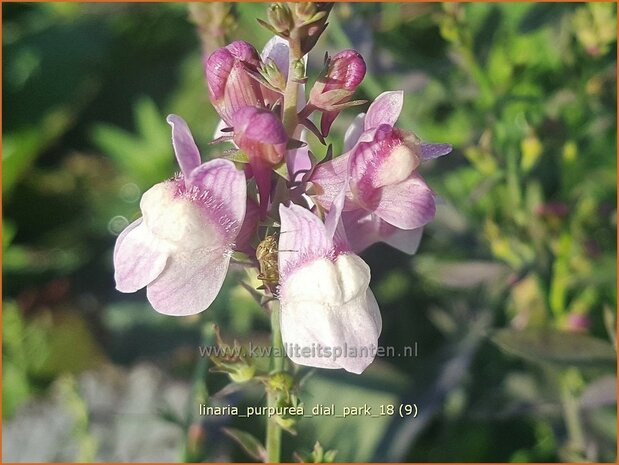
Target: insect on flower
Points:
(266, 254)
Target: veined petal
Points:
(329, 317)
(190, 281)
(430, 151)
(224, 191)
(302, 239)
(385, 109)
(139, 257)
(241, 90)
(185, 148)
(329, 179)
(407, 205)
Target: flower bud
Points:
(333, 90)
(230, 84)
(280, 17)
(310, 29)
(272, 74)
(261, 135)
(304, 10)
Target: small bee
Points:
(266, 254)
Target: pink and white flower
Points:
(328, 311)
(180, 249)
(386, 200)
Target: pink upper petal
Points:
(303, 238)
(190, 282)
(185, 148)
(241, 90)
(407, 205)
(329, 179)
(223, 189)
(139, 257)
(385, 109)
(217, 67)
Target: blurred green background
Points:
(511, 298)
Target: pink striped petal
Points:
(407, 205)
(329, 179)
(223, 190)
(190, 282)
(303, 238)
(385, 109)
(185, 148)
(139, 257)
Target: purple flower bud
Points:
(230, 85)
(345, 71)
(261, 135)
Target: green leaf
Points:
(555, 347)
(249, 443)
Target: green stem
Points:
(292, 87)
(274, 432)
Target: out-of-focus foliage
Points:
(511, 298)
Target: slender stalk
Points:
(274, 432)
(292, 87)
(290, 121)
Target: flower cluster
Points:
(326, 212)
